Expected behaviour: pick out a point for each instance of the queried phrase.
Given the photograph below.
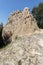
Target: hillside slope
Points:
(25, 50)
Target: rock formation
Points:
(24, 49)
(20, 23)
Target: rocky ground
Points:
(25, 50)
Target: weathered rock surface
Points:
(26, 47)
(20, 23)
(25, 50)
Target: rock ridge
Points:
(20, 23)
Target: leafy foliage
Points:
(1, 39)
(6, 40)
(38, 14)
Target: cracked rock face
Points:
(20, 23)
(25, 50)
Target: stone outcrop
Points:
(20, 23)
(24, 49)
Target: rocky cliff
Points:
(20, 23)
(26, 47)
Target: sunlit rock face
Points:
(26, 47)
(20, 23)
(25, 50)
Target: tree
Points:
(3, 41)
(1, 38)
(38, 14)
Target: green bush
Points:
(38, 14)
(16, 37)
(6, 40)
(1, 38)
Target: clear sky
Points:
(7, 6)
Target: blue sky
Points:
(7, 6)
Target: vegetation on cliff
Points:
(6, 40)
(38, 14)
